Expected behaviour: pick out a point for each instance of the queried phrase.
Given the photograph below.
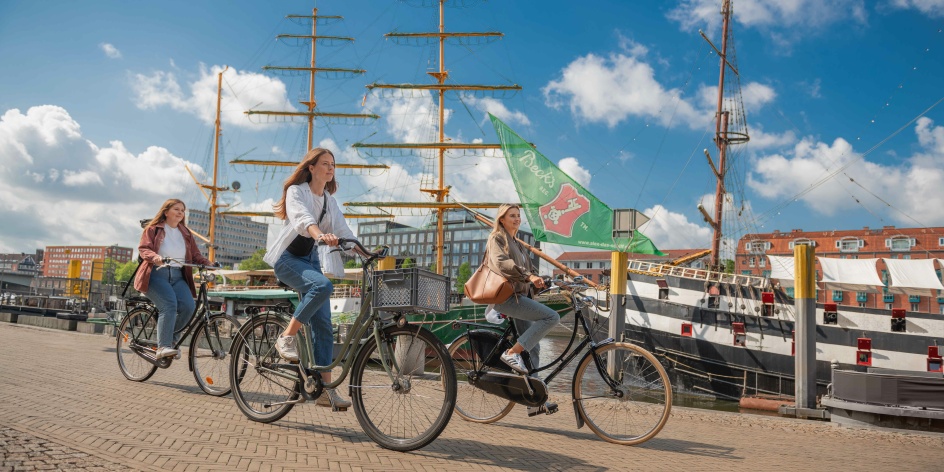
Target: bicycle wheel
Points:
(261, 381)
(209, 353)
(138, 329)
(410, 409)
(630, 403)
(472, 403)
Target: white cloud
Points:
(784, 20)
(670, 230)
(241, 91)
(915, 189)
(610, 90)
(932, 8)
(497, 108)
(60, 188)
(110, 50)
(571, 166)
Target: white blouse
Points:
(302, 211)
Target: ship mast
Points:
(214, 189)
(440, 191)
(311, 104)
(723, 138)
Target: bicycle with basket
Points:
(402, 382)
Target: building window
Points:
(837, 295)
(888, 306)
(914, 307)
(757, 247)
(751, 261)
(807, 242)
(900, 244)
(850, 245)
(862, 297)
(762, 262)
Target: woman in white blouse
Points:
(310, 215)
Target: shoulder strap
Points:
(324, 208)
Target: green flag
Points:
(559, 209)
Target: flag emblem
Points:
(560, 214)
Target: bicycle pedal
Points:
(547, 409)
(338, 409)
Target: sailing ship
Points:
(731, 335)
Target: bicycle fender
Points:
(577, 414)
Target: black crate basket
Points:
(411, 289)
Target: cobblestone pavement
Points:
(65, 400)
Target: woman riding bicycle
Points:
(507, 257)
(170, 288)
(310, 215)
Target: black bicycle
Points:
(402, 386)
(619, 390)
(210, 335)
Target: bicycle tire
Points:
(138, 328)
(637, 409)
(209, 353)
(253, 365)
(472, 403)
(425, 378)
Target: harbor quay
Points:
(66, 406)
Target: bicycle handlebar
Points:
(168, 260)
(371, 255)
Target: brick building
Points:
(866, 243)
(592, 264)
(56, 258)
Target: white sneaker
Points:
(166, 352)
(286, 347)
(515, 362)
(331, 397)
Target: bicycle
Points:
(402, 385)
(210, 343)
(620, 390)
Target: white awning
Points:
(782, 269)
(912, 277)
(851, 275)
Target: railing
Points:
(698, 274)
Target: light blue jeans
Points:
(536, 318)
(304, 274)
(174, 301)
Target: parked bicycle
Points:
(210, 335)
(619, 390)
(402, 385)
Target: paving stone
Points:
(70, 408)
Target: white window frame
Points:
(757, 247)
(801, 241)
(890, 243)
(849, 244)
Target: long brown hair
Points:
(302, 174)
(160, 218)
(503, 209)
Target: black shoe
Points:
(547, 408)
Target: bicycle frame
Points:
(367, 319)
(565, 358)
(201, 306)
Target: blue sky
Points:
(103, 103)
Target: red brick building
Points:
(888, 242)
(56, 259)
(591, 264)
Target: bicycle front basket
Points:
(413, 289)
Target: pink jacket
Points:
(151, 240)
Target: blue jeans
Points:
(304, 274)
(174, 301)
(541, 317)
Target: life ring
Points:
(356, 291)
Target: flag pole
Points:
(567, 270)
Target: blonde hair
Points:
(160, 218)
(503, 209)
(302, 174)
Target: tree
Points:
(407, 263)
(123, 271)
(465, 271)
(728, 266)
(255, 262)
(352, 264)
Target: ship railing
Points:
(655, 268)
